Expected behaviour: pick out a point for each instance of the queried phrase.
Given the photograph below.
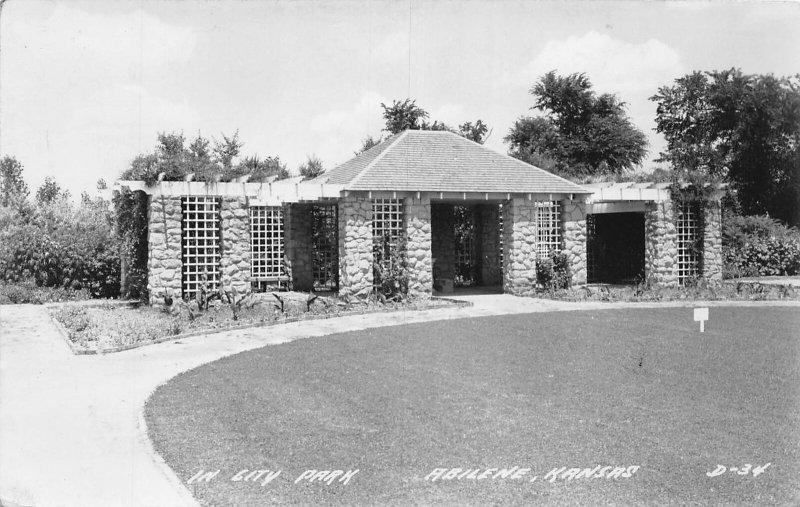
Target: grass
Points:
(728, 290)
(542, 391)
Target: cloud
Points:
(333, 132)
(613, 65)
(112, 46)
(76, 88)
(393, 47)
(116, 123)
(450, 114)
(633, 72)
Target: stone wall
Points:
(443, 241)
(712, 241)
(298, 245)
(661, 250)
(355, 244)
(235, 244)
(573, 224)
(487, 239)
(418, 246)
(164, 248)
(519, 254)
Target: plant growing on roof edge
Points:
(695, 187)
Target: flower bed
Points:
(110, 328)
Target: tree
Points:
(402, 116)
(406, 115)
(200, 160)
(742, 128)
(13, 188)
(579, 132)
(475, 132)
(172, 155)
(227, 149)
(311, 168)
(50, 192)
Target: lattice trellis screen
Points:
(688, 228)
(548, 227)
(465, 256)
(387, 226)
(200, 245)
(465, 241)
(266, 243)
(501, 233)
(325, 244)
(591, 246)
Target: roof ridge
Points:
(378, 158)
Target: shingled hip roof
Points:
(441, 161)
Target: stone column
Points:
(573, 222)
(712, 241)
(298, 246)
(519, 254)
(418, 246)
(487, 236)
(661, 243)
(164, 248)
(235, 244)
(355, 244)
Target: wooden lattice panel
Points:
(325, 244)
(591, 254)
(266, 243)
(548, 228)
(200, 244)
(688, 227)
(464, 245)
(388, 226)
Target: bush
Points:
(759, 246)
(390, 271)
(27, 292)
(553, 273)
(63, 248)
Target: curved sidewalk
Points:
(71, 427)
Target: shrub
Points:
(759, 245)
(554, 273)
(27, 292)
(390, 270)
(62, 247)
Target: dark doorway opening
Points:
(615, 248)
(466, 245)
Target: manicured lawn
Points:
(617, 388)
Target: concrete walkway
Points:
(71, 427)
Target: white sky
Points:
(85, 86)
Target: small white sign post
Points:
(701, 314)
